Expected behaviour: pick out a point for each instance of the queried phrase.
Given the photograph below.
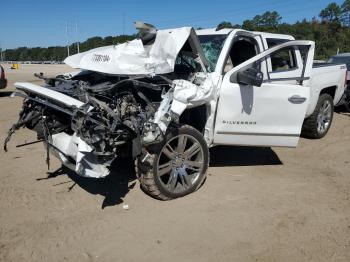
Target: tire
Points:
(177, 167)
(347, 99)
(317, 125)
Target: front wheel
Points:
(318, 124)
(178, 167)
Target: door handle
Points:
(296, 99)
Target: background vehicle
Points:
(344, 59)
(3, 80)
(167, 97)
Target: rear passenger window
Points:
(283, 60)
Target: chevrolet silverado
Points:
(167, 96)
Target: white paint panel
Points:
(263, 115)
(133, 58)
(241, 140)
(48, 93)
(251, 115)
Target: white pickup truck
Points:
(167, 97)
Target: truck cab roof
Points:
(226, 31)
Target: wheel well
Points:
(329, 90)
(195, 117)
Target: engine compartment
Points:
(110, 116)
(89, 118)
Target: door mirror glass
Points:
(250, 76)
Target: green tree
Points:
(249, 25)
(270, 19)
(331, 13)
(266, 21)
(109, 40)
(224, 24)
(345, 13)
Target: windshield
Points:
(341, 60)
(212, 45)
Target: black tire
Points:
(347, 107)
(148, 164)
(347, 100)
(310, 127)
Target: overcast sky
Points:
(42, 22)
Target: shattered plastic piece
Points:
(196, 94)
(162, 117)
(178, 107)
(65, 146)
(152, 134)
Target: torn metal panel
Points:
(199, 91)
(134, 58)
(186, 94)
(77, 155)
(162, 117)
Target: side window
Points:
(283, 60)
(242, 49)
(246, 74)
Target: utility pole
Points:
(76, 30)
(123, 27)
(67, 38)
(123, 23)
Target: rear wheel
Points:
(318, 124)
(347, 100)
(178, 167)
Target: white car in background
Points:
(3, 80)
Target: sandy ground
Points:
(258, 204)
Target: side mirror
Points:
(250, 76)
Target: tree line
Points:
(59, 53)
(330, 30)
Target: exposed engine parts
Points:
(113, 117)
(90, 119)
(110, 109)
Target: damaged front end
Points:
(86, 126)
(89, 119)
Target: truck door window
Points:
(241, 50)
(283, 60)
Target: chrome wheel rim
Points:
(180, 163)
(324, 117)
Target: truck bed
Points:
(317, 65)
(328, 75)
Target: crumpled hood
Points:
(134, 58)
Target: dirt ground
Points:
(258, 204)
